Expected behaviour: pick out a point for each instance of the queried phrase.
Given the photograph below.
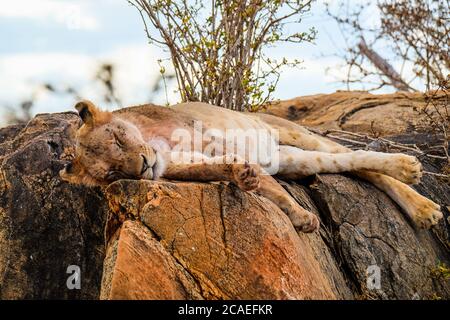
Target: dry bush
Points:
(437, 118)
(105, 75)
(218, 47)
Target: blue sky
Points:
(63, 41)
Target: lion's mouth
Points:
(147, 170)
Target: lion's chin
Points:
(159, 167)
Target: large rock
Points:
(233, 244)
(169, 240)
(46, 225)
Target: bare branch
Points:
(414, 33)
(384, 66)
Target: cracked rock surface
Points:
(232, 244)
(173, 240)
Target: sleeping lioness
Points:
(144, 143)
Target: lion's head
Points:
(109, 148)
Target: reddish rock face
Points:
(138, 267)
(228, 243)
(214, 241)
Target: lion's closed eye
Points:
(118, 141)
(114, 175)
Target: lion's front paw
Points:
(425, 212)
(246, 176)
(407, 169)
(303, 220)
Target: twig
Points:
(407, 147)
(442, 175)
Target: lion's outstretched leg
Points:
(196, 167)
(296, 163)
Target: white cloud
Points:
(136, 69)
(71, 14)
(23, 74)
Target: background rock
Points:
(356, 111)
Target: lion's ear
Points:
(70, 172)
(86, 110)
(73, 172)
(90, 114)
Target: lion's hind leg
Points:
(383, 170)
(424, 212)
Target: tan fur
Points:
(134, 142)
